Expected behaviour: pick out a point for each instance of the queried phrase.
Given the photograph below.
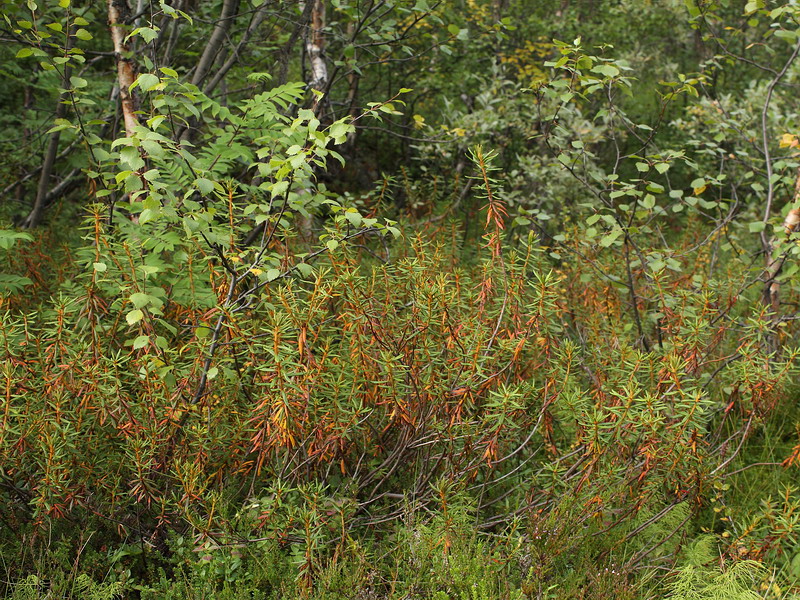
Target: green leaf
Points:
(698, 183)
(279, 188)
(147, 81)
(339, 130)
(131, 156)
(59, 124)
(206, 186)
(140, 300)
(153, 148)
(752, 6)
(82, 34)
(610, 238)
(8, 238)
(134, 316)
(353, 217)
(147, 34)
(24, 52)
(141, 341)
(607, 70)
(756, 226)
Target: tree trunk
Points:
(315, 50)
(118, 12)
(226, 17)
(288, 47)
(258, 17)
(774, 264)
(35, 217)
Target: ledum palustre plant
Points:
(550, 355)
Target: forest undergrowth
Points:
(273, 325)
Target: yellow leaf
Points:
(788, 140)
(699, 190)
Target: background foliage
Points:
(399, 299)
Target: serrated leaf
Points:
(148, 34)
(131, 156)
(147, 81)
(206, 186)
(610, 238)
(353, 217)
(140, 300)
(134, 316)
(607, 70)
(279, 188)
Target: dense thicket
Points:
(452, 300)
